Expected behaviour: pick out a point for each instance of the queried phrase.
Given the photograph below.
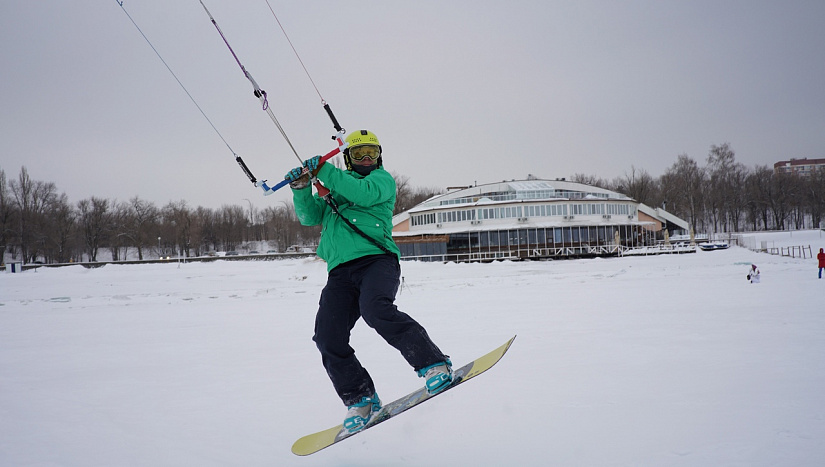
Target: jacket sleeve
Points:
(308, 208)
(377, 188)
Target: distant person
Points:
(753, 274)
(821, 258)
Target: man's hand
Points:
(312, 163)
(298, 178)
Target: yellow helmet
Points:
(361, 138)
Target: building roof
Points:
(798, 162)
(664, 217)
(518, 190)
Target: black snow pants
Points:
(366, 288)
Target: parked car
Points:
(231, 253)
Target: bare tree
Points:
(119, 241)
(177, 226)
(231, 225)
(737, 199)
(403, 193)
(784, 190)
(205, 235)
(591, 180)
(94, 223)
(7, 214)
(682, 189)
(408, 196)
(32, 199)
(141, 224)
(283, 224)
(726, 185)
(758, 191)
(62, 230)
(639, 185)
(814, 189)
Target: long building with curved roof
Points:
(531, 218)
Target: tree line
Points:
(38, 223)
(725, 195)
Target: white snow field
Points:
(671, 360)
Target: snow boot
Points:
(438, 376)
(360, 413)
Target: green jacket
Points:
(367, 202)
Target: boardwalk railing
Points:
(799, 251)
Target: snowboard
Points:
(323, 439)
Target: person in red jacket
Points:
(821, 258)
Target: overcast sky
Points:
(458, 92)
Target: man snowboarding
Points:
(821, 258)
(363, 274)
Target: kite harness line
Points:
(238, 158)
(262, 97)
(326, 106)
(323, 192)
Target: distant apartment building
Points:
(802, 166)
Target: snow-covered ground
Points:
(672, 360)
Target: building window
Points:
(423, 219)
(595, 209)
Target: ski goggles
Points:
(359, 153)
